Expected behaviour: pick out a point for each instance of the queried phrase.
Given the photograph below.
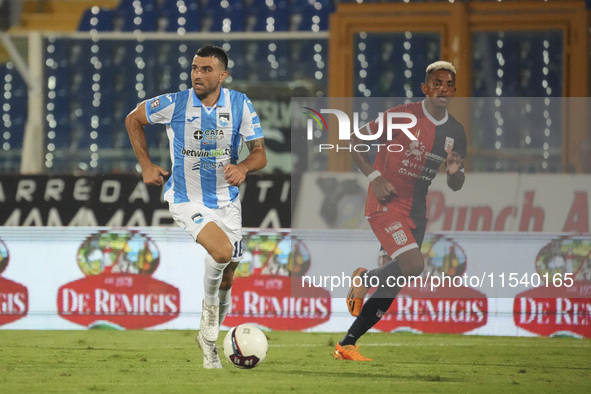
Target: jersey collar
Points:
(431, 118)
(221, 101)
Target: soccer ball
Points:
(245, 346)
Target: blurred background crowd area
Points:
(97, 60)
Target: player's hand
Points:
(234, 174)
(453, 161)
(383, 190)
(154, 175)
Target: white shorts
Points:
(193, 216)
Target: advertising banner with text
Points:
(486, 202)
(124, 200)
(151, 278)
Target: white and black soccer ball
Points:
(245, 346)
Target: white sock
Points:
(225, 303)
(212, 280)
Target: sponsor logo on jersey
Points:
(449, 144)
(394, 226)
(224, 119)
(189, 120)
(155, 103)
(208, 136)
(400, 237)
(415, 151)
(205, 152)
(207, 166)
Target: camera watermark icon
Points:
(387, 124)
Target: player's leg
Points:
(406, 260)
(356, 295)
(230, 220)
(225, 292)
(394, 232)
(378, 304)
(383, 257)
(199, 222)
(411, 264)
(219, 250)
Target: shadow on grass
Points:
(360, 375)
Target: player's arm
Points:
(256, 160)
(381, 187)
(135, 122)
(455, 173)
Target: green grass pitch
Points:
(171, 362)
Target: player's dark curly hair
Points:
(217, 52)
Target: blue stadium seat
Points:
(225, 19)
(180, 15)
(236, 53)
(270, 17)
(315, 16)
(14, 108)
(144, 22)
(253, 62)
(62, 138)
(130, 5)
(137, 15)
(96, 18)
(300, 54)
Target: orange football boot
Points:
(356, 294)
(349, 352)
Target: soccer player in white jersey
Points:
(205, 126)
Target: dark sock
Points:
(375, 307)
(390, 269)
(373, 310)
(386, 280)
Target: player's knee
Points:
(411, 264)
(418, 267)
(415, 267)
(223, 253)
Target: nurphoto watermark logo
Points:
(386, 124)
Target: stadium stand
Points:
(93, 84)
(58, 15)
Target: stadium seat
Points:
(315, 16)
(136, 15)
(268, 16)
(180, 15)
(14, 107)
(238, 66)
(96, 18)
(130, 5)
(224, 19)
(299, 54)
(252, 60)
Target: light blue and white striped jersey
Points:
(202, 141)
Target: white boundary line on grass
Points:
(399, 344)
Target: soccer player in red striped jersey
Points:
(396, 200)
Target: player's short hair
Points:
(440, 66)
(213, 51)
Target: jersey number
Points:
(237, 250)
